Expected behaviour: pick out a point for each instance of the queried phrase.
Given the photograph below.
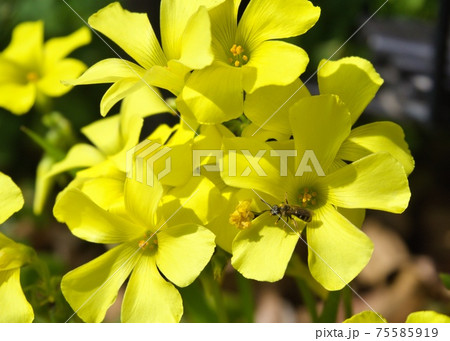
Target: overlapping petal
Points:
(353, 186)
(353, 79)
(134, 34)
(262, 70)
(263, 251)
(58, 48)
(183, 252)
(338, 250)
(92, 288)
(148, 297)
(90, 222)
(266, 20)
(377, 137)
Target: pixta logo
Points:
(148, 160)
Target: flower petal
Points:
(175, 17)
(377, 181)
(263, 175)
(104, 134)
(17, 98)
(79, 156)
(134, 34)
(109, 71)
(274, 63)
(11, 199)
(338, 250)
(141, 201)
(183, 252)
(367, 316)
(58, 48)
(26, 44)
(148, 297)
(92, 288)
(199, 199)
(377, 137)
(118, 91)
(15, 307)
(13, 255)
(88, 221)
(209, 103)
(427, 317)
(353, 79)
(268, 107)
(320, 124)
(196, 50)
(262, 252)
(50, 84)
(267, 19)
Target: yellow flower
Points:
(247, 56)
(150, 245)
(186, 46)
(30, 69)
(15, 307)
(426, 316)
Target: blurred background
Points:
(407, 41)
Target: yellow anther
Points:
(306, 198)
(245, 58)
(143, 244)
(239, 49)
(236, 63)
(32, 76)
(233, 50)
(242, 216)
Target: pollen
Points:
(308, 198)
(32, 76)
(238, 57)
(147, 244)
(242, 216)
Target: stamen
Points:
(32, 76)
(242, 216)
(307, 198)
(238, 59)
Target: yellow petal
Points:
(58, 48)
(11, 199)
(268, 107)
(377, 181)
(183, 252)
(118, 91)
(353, 79)
(50, 84)
(427, 317)
(273, 63)
(109, 71)
(268, 19)
(131, 31)
(26, 45)
(17, 98)
(366, 317)
(338, 250)
(15, 307)
(92, 288)
(377, 137)
(148, 297)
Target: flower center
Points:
(239, 58)
(308, 198)
(242, 216)
(32, 76)
(150, 242)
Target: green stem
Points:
(347, 299)
(330, 308)
(308, 299)
(213, 289)
(246, 296)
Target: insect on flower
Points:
(285, 210)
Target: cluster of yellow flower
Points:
(165, 222)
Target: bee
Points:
(285, 210)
